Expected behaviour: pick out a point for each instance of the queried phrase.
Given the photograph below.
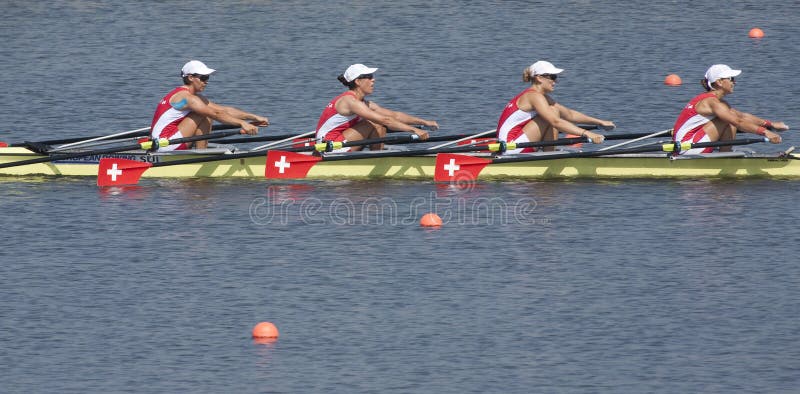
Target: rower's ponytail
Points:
(350, 85)
(526, 75)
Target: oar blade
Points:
(116, 172)
(456, 168)
(283, 164)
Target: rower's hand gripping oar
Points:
(454, 167)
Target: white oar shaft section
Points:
(271, 144)
(105, 137)
(87, 145)
(656, 134)
(464, 139)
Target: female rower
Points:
(349, 117)
(533, 115)
(707, 117)
(185, 112)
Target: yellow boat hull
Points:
(422, 167)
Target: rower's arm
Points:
(767, 124)
(552, 115)
(380, 115)
(239, 114)
(579, 117)
(216, 112)
(403, 117)
(741, 120)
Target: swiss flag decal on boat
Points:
(114, 171)
(283, 164)
(452, 168)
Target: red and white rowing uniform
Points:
(166, 120)
(689, 126)
(512, 120)
(331, 124)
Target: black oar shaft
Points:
(385, 140)
(78, 139)
(267, 138)
(74, 155)
(144, 133)
(641, 149)
(468, 148)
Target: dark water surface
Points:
(580, 286)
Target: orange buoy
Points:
(264, 330)
(430, 220)
(673, 80)
(756, 33)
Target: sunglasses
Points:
(366, 76)
(203, 78)
(551, 77)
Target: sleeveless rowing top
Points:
(689, 126)
(513, 119)
(331, 124)
(166, 120)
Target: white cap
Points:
(356, 70)
(196, 67)
(544, 67)
(719, 71)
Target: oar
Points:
(483, 133)
(452, 167)
(262, 147)
(147, 145)
(44, 146)
(286, 164)
(473, 136)
(130, 133)
(117, 171)
(656, 134)
(287, 137)
(104, 139)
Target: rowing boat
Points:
(644, 165)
